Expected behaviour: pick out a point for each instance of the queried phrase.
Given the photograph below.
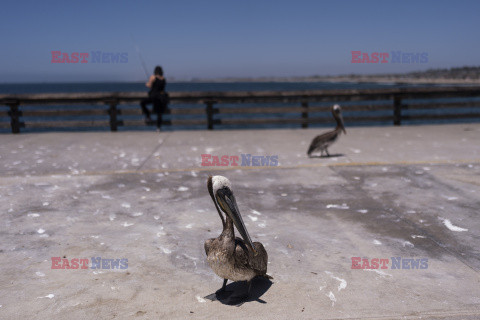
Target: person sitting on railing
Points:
(157, 96)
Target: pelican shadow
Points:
(336, 155)
(234, 293)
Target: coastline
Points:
(335, 79)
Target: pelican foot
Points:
(224, 284)
(223, 292)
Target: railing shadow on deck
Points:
(224, 109)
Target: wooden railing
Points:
(228, 108)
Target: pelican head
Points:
(220, 190)
(337, 114)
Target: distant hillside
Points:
(452, 73)
(460, 75)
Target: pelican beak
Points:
(341, 123)
(227, 202)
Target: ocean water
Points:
(18, 88)
(31, 88)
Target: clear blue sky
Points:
(210, 39)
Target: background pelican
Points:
(323, 141)
(233, 258)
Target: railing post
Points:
(209, 111)
(305, 114)
(397, 111)
(112, 111)
(14, 114)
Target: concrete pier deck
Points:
(408, 192)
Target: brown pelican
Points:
(323, 141)
(233, 258)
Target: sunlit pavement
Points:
(409, 195)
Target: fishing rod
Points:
(140, 56)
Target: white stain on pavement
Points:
(332, 298)
(338, 206)
(452, 227)
(381, 273)
(343, 282)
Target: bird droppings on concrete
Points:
(452, 227)
(165, 250)
(379, 272)
(332, 298)
(415, 236)
(343, 206)
(408, 244)
(343, 283)
(450, 198)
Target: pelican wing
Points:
(245, 259)
(260, 261)
(208, 244)
(322, 141)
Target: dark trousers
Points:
(158, 108)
